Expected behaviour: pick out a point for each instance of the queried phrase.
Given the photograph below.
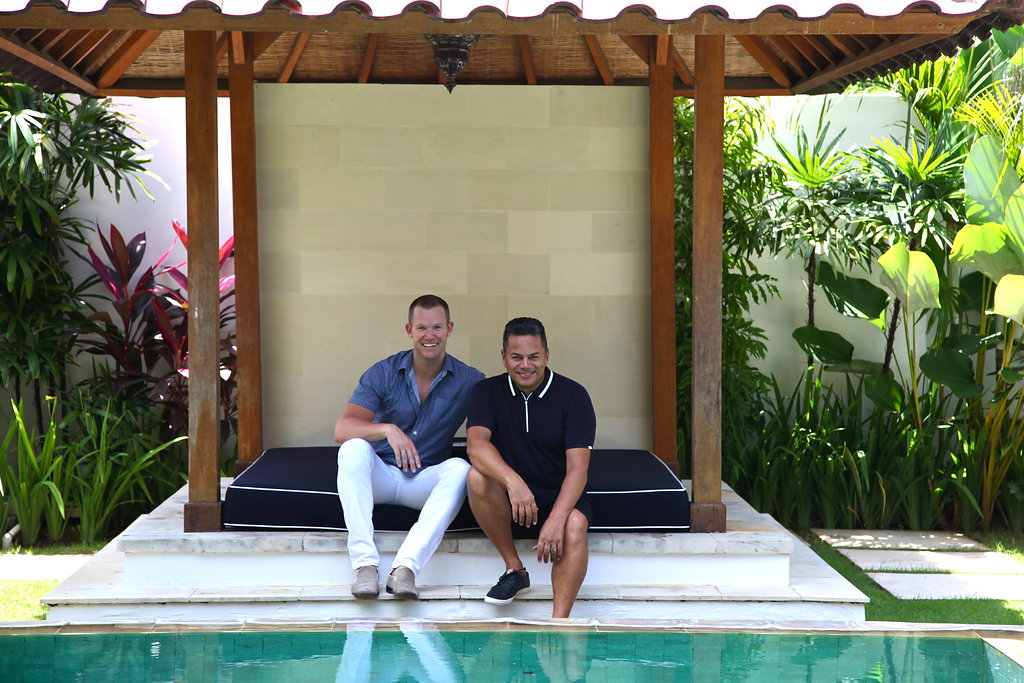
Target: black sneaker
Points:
(510, 584)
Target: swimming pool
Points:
(415, 653)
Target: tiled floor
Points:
(930, 565)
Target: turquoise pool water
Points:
(415, 654)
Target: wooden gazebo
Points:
(687, 48)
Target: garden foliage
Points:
(938, 269)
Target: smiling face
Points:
(429, 329)
(525, 359)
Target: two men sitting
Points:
(530, 433)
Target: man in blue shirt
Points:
(396, 447)
(530, 436)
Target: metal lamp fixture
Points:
(451, 53)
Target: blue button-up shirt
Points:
(388, 389)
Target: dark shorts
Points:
(543, 512)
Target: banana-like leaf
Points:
(984, 248)
(1014, 222)
(853, 296)
(827, 347)
(911, 277)
(857, 366)
(884, 392)
(1009, 299)
(952, 369)
(989, 179)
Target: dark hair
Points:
(430, 301)
(524, 327)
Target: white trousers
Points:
(364, 480)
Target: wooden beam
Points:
(600, 61)
(661, 50)
(298, 47)
(261, 41)
(663, 259)
(679, 66)
(68, 44)
(41, 14)
(707, 512)
(125, 56)
(85, 48)
(805, 48)
(202, 511)
(764, 55)
(527, 57)
(15, 47)
(241, 81)
(223, 41)
(92, 61)
(793, 58)
(52, 38)
(641, 45)
(846, 45)
(849, 66)
(368, 57)
(238, 55)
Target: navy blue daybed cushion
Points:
(295, 488)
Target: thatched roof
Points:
(771, 48)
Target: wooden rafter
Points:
(221, 49)
(806, 48)
(368, 56)
(527, 56)
(41, 61)
(771, 62)
(790, 54)
(85, 48)
(679, 66)
(91, 61)
(69, 42)
(237, 47)
(638, 44)
(821, 46)
(600, 61)
(51, 39)
(125, 56)
(293, 57)
(845, 44)
(849, 66)
(261, 41)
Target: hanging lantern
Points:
(451, 53)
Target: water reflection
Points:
(387, 659)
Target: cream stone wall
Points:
(505, 201)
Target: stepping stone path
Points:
(887, 556)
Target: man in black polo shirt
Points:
(530, 434)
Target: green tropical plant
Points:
(995, 248)
(112, 467)
(51, 148)
(37, 485)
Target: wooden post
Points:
(663, 254)
(247, 255)
(202, 511)
(707, 512)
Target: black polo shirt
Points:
(533, 432)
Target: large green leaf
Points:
(853, 296)
(1009, 299)
(984, 248)
(1014, 222)
(910, 276)
(857, 366)
(989, 180)
(953, 369)
(827, 347)
(884, 392)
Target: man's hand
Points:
(407, 458)
(520, 498)
(550, 542)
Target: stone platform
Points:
(755, 570)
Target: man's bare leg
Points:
(489, 502)
(567, 573)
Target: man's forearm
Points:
(573, 486)
(355, 428)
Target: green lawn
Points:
(885, 607)
(19, 600)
